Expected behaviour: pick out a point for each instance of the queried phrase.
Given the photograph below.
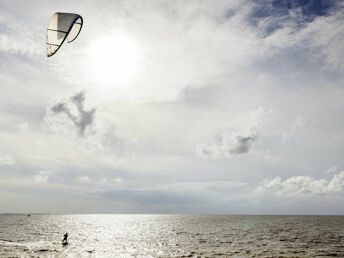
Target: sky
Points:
(207, 107)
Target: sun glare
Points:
(114, 59)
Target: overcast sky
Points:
(174, 107)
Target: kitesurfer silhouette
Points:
(64, 241)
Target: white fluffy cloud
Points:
(302, 186)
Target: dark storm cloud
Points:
(82, 118)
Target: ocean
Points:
(171, 236)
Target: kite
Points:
(62, 26)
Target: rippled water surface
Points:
(172, 236)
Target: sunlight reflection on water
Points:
(171, 235)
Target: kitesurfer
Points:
(64, 241)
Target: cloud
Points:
(192, 193)
(18, 38)
(243, 144)
(319, 35)
(326, 35)
(302, 186)
(41, 177)
(81, 118)
(83, 179)
(208, 187)
(268, 156)
(203, 70)
(226, 146)
(332, 170)
(150, 197)
(236, 141)
(307, 8)
(299, 124)
(274, 14)
(6, 159)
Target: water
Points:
(171, 236)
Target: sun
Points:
(114, 59)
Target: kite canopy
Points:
(62, 26)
